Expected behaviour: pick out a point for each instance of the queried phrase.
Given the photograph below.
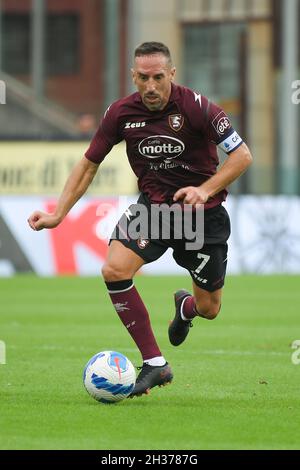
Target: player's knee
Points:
(214, 311)
(208, 309)
(112, 273)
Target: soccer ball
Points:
(109, 377)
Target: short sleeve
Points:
(220, 130)
(106, 137)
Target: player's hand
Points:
(39, 220)
(191, 195)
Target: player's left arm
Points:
(234, 166)
(213, 122)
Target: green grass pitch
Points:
(234, 387)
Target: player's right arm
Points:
(79, 180)
(83, 173)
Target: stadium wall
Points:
(45, 166)
(265, 236)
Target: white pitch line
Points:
(213, 352)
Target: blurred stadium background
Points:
(62, 62)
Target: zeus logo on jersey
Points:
(158, 146)
(134, 125)
(221, 123)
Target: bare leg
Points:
(121, 263)
(208, 304)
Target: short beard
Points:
(154, 107)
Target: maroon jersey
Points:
(171, 148)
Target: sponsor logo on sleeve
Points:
(221, 123)
(176, 121)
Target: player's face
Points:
(152, 75)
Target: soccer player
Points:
(172, 134)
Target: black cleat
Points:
(179, 328)
(151, 376)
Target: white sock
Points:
(156, 361)
(181, 311)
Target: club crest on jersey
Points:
(221, 123)
(176, 121)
